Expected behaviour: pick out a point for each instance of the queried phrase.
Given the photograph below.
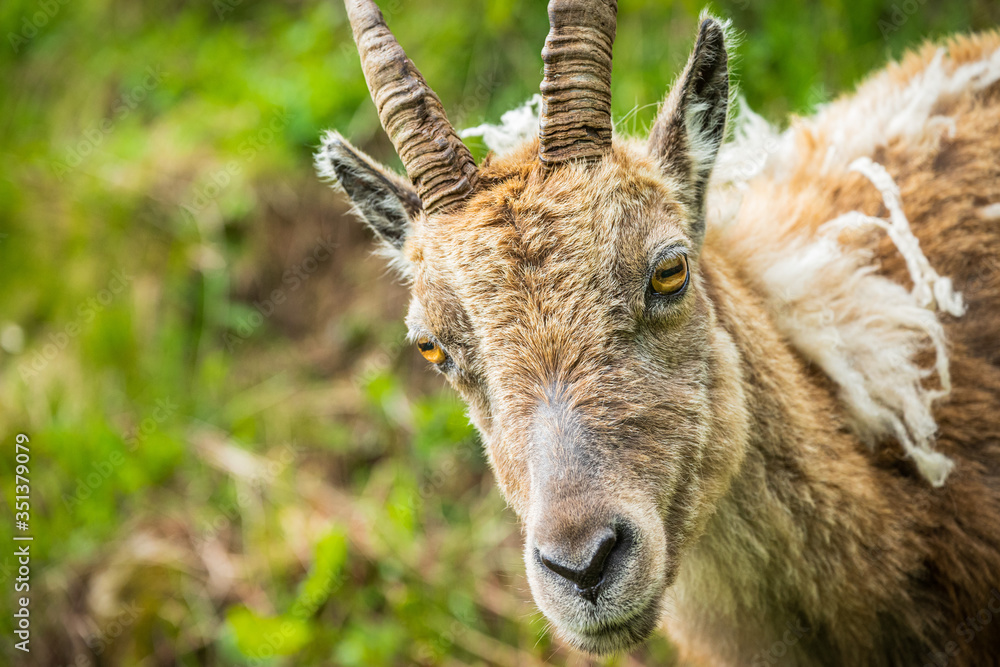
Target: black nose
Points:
(586, 567)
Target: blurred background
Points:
(235, 459)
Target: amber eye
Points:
(432, 351)
(670, 275)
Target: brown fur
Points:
(767, 527)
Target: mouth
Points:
(619, 635)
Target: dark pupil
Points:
(426, 347)
(673, 270)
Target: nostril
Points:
(586, 571)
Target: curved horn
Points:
(438, 163)
(575, 121)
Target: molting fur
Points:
(751, 401)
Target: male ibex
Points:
(710, 398)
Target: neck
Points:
(791, 546)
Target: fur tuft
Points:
(516, 127)
(865, 331)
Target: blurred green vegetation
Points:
(235, 460)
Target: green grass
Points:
(235, 460)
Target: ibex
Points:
(758, 405)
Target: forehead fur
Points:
(522, 220)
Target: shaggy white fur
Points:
(990, 212)
(929, 289)
(865, 331)
(862, 123)
(516, 126)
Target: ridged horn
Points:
(575, 119)
(439, 165)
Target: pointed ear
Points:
(384, 200)
(692, 121)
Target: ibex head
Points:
(563, 290)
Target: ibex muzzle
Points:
(636, 385)
(588, 549)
